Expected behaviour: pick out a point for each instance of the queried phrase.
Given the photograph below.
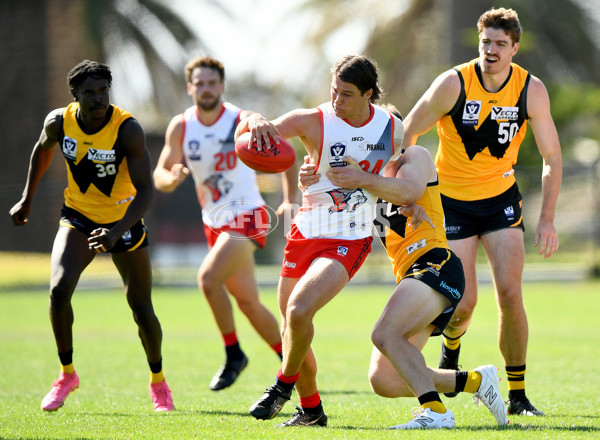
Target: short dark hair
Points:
(501, 18)
(81, 71)
(361, 72)
(204, 61)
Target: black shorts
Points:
(441, 270)
(134, 238)
(468, 218)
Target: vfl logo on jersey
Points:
(337, 152)
(342, 250)
(289, 264)
(101, 155)
(509, 211)
(471, 113)
(218, 186)
(194, 150)
(69, 148)
(505, 113)
(346, 199)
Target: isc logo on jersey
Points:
(101, 155)
(505, 113)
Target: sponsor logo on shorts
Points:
(509, 211)
(69, 147)
(416, 246)
(342, 250)
(101, 155)
(471, 112)
(455, 293)
(289, 264)
(127, 238)
(453, 229)
(434, 268)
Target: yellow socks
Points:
(157, 377)
(473, 382)
(68, 369)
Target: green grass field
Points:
(113, 400)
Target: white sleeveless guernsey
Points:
(331, 212)
(225, 186)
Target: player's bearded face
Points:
(208, 101)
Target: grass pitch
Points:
(113, 400)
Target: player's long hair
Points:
(361, 72)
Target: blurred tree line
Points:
(412, 41)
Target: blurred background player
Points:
(481, 109)
(109, 189)
(236, 222)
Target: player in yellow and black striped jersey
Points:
(482, 109)
(109, 189)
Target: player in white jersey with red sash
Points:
(236, 222)
(332, 234)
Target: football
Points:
(279, 158)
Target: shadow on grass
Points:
(345, 392)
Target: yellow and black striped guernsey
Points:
(405, 245)
(99, 185)
(480, 137)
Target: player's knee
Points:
(463, 312)
(511, 303)
(298, 315)
(60, 294)
(378, 338)
(380, 384)
(207, 282)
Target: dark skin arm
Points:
(40, 160)
(133, 141)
